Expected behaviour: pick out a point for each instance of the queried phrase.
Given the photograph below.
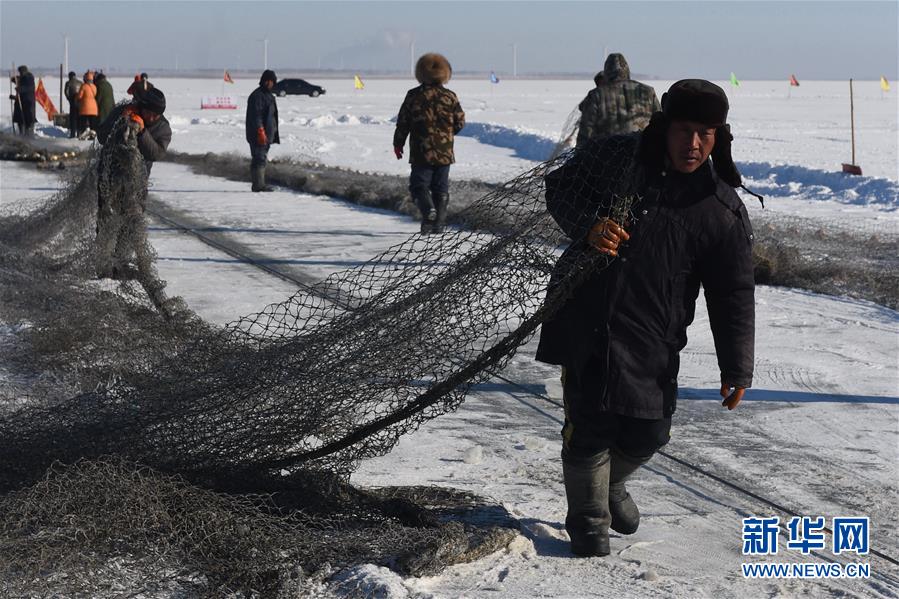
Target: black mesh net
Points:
(156, 452)
(162, 415)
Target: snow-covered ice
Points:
(819, 432)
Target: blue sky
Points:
(668, 39)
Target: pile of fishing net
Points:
(142, 449)
(156, 452)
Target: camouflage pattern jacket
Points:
(430, 116)
(616, 106)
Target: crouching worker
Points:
(134, 136)
(627, 286)
(430, 116)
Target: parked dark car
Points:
(297, 87)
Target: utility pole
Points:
(515, 61)
(412, 58)
(65, 55)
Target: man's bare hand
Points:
(732, 395)
(606, 235)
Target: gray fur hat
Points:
(433, 68)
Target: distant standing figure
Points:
(430, 116)
(262, 127)
(23, 110)
(105, 98)
(617, 104)
(87, 103)
(139, 85)
(73, 86)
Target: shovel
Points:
(852, 168)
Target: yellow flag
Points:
(357, 83)
(884, 84)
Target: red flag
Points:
(793, 81)
(40, 95)
(228, 77)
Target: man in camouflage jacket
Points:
(430, 116)
(617, 105)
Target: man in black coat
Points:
(620, 328)
(262, 127)
(73, 86)
(24, 108)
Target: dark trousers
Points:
(74, 118)
(428, 177)
(588, 430)
(258, 155)
(426, 180)
(89, 122)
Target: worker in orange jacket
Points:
(87, 103)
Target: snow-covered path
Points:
(818, 434)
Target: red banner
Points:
(40, 95)
(793, 81)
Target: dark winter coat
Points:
(73, 86)
(139, 86)
(262, 111)
(152, 142)
(617, 105)
(105, 98)
(24, 108)
(628, 322)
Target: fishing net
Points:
(158, 455)
(167, 425)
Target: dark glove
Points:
(261, 137)
(398, 152)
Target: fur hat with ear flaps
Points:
(433, 68)
(692, 100)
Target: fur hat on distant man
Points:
(433, 68)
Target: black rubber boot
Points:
(441, 201)
(254, 177)
(422, 199)
(587, 491)
(625, 514)
(258, 176)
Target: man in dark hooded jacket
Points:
(73, 86)
(651, 219)
(262, 127)
(430, 116)
(24, 108)
(617, 105)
